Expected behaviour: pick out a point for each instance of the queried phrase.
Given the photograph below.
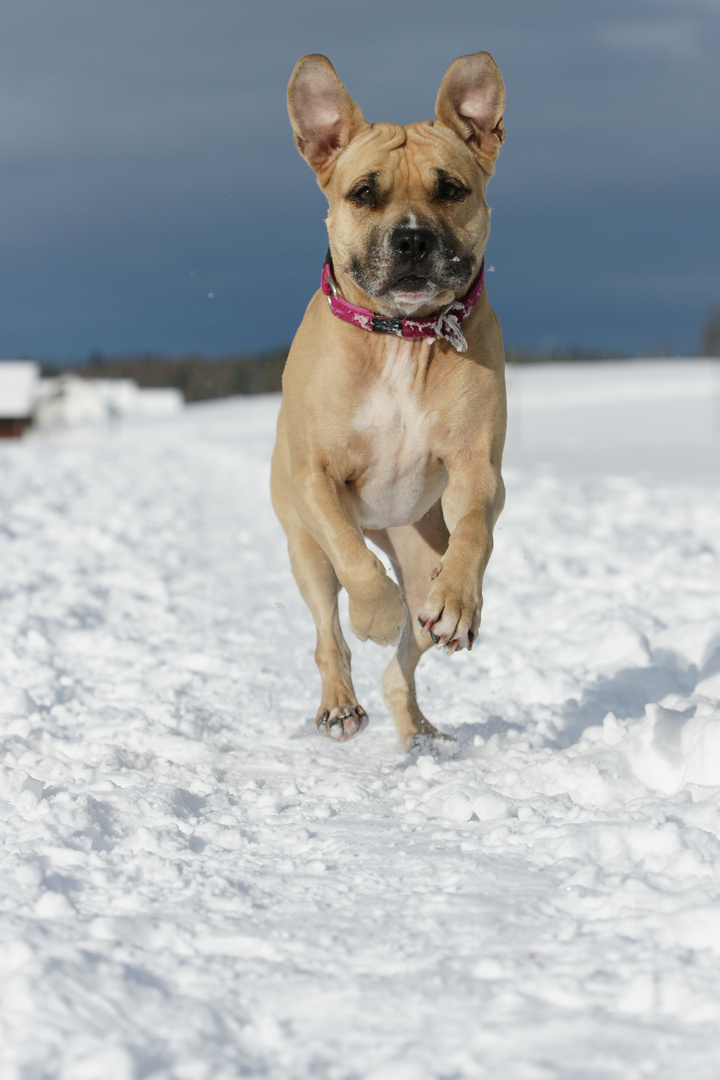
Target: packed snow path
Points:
(195, 886)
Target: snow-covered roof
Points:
(18, 380)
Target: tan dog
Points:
(395, 438)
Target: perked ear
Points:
(471, 101)
(324, 117)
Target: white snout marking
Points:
(398, 432)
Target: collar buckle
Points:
(386, 324)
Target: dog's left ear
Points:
(471, 101)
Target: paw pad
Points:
(343, 722)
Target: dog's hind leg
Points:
(415, 551)
(339, 715)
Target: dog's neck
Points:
(444, 324)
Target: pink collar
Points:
(445, 325)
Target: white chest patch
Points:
(399, 435)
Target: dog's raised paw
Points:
(343, 722)
(451, 617)
(380, 615)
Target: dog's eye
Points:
(451, 191)
(363, 195)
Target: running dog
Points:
(393, 418)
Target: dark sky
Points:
(151, 197)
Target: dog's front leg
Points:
(471, 505)
(376, 606)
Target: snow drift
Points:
(197, 887)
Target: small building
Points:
(70, 400)
(18, 386)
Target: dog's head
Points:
(408, 219)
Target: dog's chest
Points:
(393, 485)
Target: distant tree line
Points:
(539, 356)
(202, 378)
(199, 378)
(710, 333)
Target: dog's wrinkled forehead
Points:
(380, 148)
(403, 163)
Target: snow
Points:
(18, 379)
(195, 886)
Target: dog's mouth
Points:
(412, 289)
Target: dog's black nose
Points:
(413, 245)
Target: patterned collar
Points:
(446, 325)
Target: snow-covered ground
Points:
(195, 886)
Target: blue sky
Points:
(147, 162)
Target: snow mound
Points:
(67, 401)
(677, 746)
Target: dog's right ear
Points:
(324, 117)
